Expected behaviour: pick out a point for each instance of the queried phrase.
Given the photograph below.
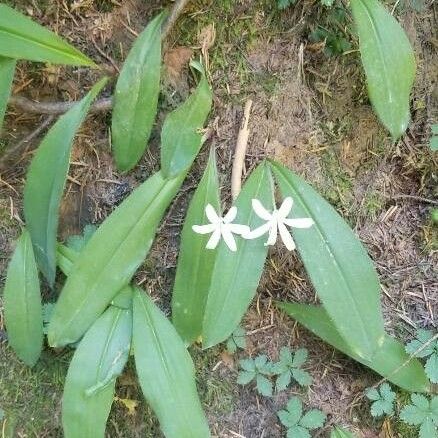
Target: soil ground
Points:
(310, 112)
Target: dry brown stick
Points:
(14, 150)
(100, 105)
(239, 155)
(55, 108)
(415, 198)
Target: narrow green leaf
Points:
(236, 275)
(389, 63)
(98, 360)
(166, 372)
(338, 266)
(195, 263)
(110, 258)
(390, 360)
(136, 97)
(22, 38)
(337, 432)
(7, 70)
(181, 138)
(46, 180)
(22, 303)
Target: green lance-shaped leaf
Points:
(236, 275)
(389, 63)
(110, 258)
(22, 303)
(22, 38)
(7, 70)
(166, 372)
(390, 360)
(338, 266)
(136, 97)
(46, 180)
(98, 360)
(181, 138)
(337, 432)
(195, 263)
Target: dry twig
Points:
(239, 155)
(100, 105)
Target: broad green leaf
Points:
(166, 372)
(195, 263)
(337, 432)
(338, 266)
(22, 303)
(22, 38)
(136, 97)
(236, 275)
(390, 360)
(46, 180)
(181, 138)
(389, 63)
(110, 258)
(7, 70)
(313, 419)
(98, 360)
(65, 258)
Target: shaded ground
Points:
(310, 112)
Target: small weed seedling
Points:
(430, 351)
(434, 138)
(383, 400)
(284, 4)
(297, 424)
(289, 367)
(236, 340)
(424, 413)
(258, 369)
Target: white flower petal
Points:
(257, 232)
(286, 237)
(212, 216)
(305, 222)
(231, 215)
(204, 229)
(272, 235)
(260, 210)
(229, 239)
(285, 207)
(238, 228)
(214, 239)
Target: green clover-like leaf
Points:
(422, 412)
(425, 346)
(299, 425)
(383, 400)
(289, 367)
(236, 340)
(264, 385)
(258, 369)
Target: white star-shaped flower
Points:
(276, 223)
(221, 227)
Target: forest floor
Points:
(311, 112)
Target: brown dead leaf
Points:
(206, 39)
(175, 60)
(130, 405)
(227, 359)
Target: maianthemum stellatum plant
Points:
(106, 317)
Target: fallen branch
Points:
(55, 108)
(100, 105)
(239, 155)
